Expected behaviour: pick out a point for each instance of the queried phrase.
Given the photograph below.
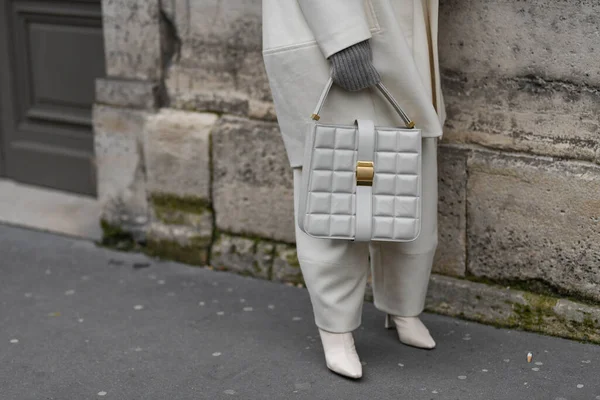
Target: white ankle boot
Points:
(340, 353)
(411, 331)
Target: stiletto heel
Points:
(411, 331)
(388, 321)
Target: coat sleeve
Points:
(336, 24)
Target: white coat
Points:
(299, 35)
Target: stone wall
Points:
(191, 165)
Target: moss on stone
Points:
(292, 260)
(195, 253)
(113, 236)
(538, 315)
(534, 315)
(536, 286)
(589, 323)
(254, 237)
(256, 267)
(187, 204)
(168, 216)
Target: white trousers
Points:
(335, 271)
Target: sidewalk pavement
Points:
(82, 322)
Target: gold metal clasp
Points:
(364, 173)
(315, 117)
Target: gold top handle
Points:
(386, 93)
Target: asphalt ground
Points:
(83, 322)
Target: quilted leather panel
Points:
(330, 202)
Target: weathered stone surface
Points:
(527, 114)
(534, 219)
(168, 7)
(507, 307)
(127, 93)
(132, 38)
(228, 35)
(263, 258)
(521, 76)
(183, 235)
(450, 258)
(516, 38)
(286, 267)
(471, 300)
(264, 110)
(252, 181)
(181, 243)
(512, 81)
(181, 228)
(221, 102)
(120, 167)
(178, 153)
(192, 212)
(242, 255)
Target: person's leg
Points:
(335, 273)
(401, 271)
(400, 281)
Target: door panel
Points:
(52, 51)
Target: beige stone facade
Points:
(191, 164)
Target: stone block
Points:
(450, 258)
(242, 255)
(178, 153)
(228, 35)
(185, 211)
(180, 243)
(181, 228)
(132, 38)
(520, 76)
(230, 22)
(534, 221)
(120, 167)
(516, 38)
(264, 110)
(506, 307)
(217, 101)
(127, 93)
(527, 114)
(252, 180)
(286, 267)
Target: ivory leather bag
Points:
(361, 182)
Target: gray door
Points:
(51, 51)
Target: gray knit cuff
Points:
(352, 68)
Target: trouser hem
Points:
(402, 313)
(339, 329)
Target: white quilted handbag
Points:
(361, 182)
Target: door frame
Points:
(5, 83)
